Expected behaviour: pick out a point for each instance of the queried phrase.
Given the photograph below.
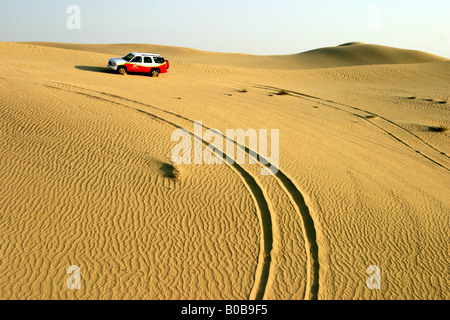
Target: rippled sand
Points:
(86, 176)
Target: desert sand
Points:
(86, 176)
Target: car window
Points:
(148, 60)
(128, 57)
(159, 60)
(137, 60)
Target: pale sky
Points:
(245, 26)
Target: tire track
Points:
(249, 181)
(257, 192)
(325, 102)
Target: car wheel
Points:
(122, 71)
(154, 73)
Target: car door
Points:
(147, 65)
(136, 64)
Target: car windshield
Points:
(128, 57)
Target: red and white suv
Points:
(140, 62)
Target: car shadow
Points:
(106, 70)
(94, 69)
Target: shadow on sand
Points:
(94, 69)
(106, 70)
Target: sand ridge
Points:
(351, 54)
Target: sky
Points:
(244, 26)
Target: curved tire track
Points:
(263, 205)
(326, 102)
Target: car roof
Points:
(145, 54)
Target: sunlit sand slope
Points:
(86, 177)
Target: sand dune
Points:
(356, 54)
(350, 54)
(86, 177)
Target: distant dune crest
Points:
(344, 55)
(357, 53)
(350, 44)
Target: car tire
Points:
(154, 73)
(122, 71)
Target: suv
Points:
(139, 62)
